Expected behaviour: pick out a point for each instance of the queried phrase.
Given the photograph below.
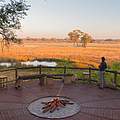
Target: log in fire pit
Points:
(55, 104)
(52, 107)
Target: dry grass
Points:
(65, 50)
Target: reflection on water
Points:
(37, 63)
(31, 63)
(6, 64)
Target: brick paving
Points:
(96, 104)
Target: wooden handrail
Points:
(16, 70)
(94, 69)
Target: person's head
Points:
(103, 59)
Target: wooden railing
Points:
(115, 81)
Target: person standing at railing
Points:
(102, 67)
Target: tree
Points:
(86, 38)
(75, 36)
(10, 15)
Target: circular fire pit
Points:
(54, 107)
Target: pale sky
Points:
(55, 18)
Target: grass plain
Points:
(37, 49)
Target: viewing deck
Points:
(95, 103)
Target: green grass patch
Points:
(115, 66)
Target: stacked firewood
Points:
(55, 104)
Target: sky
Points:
(55, 18)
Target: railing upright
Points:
(115, 79)
(16, 73)
(65, 70)
(40, 69)
(90, 74)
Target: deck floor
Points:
(96, 104)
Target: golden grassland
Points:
(35, 49)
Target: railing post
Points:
(16, 76)
(16, 73)
(65, 70)
(89, 74)
(115, 79)
(42, 78)
(40, 69)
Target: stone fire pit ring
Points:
(35, 108)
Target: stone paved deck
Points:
(96, 104)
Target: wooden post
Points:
(89, 74)
(65, 69)
(40, 69)
(115, 79)
(41, 79)
(16, 76)
(16, 73)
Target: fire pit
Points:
(54, 107)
